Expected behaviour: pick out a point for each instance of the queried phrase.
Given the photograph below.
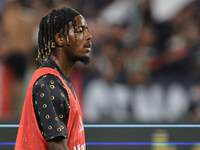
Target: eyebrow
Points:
(82, 26)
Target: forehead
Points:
(80, 21)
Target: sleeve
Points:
(51, 107)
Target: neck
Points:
(63, 63)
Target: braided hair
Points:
(53, 23)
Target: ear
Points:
(59, 39)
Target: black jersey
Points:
(51, 103)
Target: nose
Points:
(88, 36)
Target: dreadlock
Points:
(51, 24)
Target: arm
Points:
(58, 144)
(51, 109)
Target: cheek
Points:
(75, 47)
(80, 37)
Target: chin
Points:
(84, 59)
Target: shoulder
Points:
(46, 81)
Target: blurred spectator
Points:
(18, 24)
(151, 101)
(16, 43)
(104, 98)
(124, 24)
(164, 10)
(194, 106)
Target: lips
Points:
(88, 45)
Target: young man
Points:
(51, 117)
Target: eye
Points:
(87, 29)
(80, 31)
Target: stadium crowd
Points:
(145, 59)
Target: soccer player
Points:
(51, 117)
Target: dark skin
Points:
(66, 55)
